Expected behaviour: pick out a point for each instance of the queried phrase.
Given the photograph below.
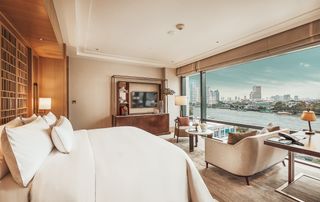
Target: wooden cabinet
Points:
(157, 124)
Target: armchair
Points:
(245, 158)
(181, 124)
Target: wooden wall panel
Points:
(53, 83)
(37, 22)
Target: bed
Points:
(113, 164)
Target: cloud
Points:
(304, 64)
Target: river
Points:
(292, 122)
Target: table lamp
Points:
(308, 116)
(181, 101)
(44, 104)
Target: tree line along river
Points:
(255, 118)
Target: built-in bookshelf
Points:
(14, 77)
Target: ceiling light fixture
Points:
(41, 39)
(180, 26)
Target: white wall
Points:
(174, 84)
(90, 86)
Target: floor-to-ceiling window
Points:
(193, 95)
(271, 90)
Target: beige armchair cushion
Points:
(233, 138)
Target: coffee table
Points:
(194, 134)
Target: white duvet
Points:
(123, 164)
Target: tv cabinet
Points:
(157, 124)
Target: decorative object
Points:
(123, 95)
(124, 110)
(166, 92)
(181, 101)
(309, 116)
(203, 127)
(44, 104)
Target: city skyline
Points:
(295, 73)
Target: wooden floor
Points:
(226, 187)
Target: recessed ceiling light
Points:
(180, 26)
(41, 39)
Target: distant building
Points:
(276, 98)
(255, 94)
(286, 97)
(216, 97)
(195, 93)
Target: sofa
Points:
(245, 158)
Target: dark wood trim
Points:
(203, 96)
(30, 85)
(157, 124)
(293, 148)
(136, 78)
(247, 180)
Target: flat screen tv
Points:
(144, 99)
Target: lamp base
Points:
(310, 133)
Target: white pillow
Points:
(29, 119)
(4, 170)
(62, 135)
(50, 118)
(25, 148)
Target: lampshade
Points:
(44, 103)
(181, 100)
(308, 116)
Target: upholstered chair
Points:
(245, 158)
(181, 124)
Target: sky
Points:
(295, 73)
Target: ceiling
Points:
(137, 31)
(32, 20)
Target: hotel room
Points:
(159, 101)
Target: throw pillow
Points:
(183, 121)
(29, 119)
(50, 118)
(4, 170)
(273, 128)
(233, 138)
(62, 135)
(25, 148)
